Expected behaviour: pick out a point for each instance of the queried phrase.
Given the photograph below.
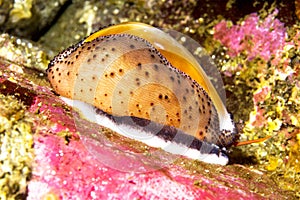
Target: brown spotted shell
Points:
(125, 75)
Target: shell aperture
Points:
(124, 74)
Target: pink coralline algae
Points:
(259, 96)
(253, 37)
(70, 171)
(65, 168)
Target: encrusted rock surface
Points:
(261, 75)
(63, 168)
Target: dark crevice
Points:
(47, 27)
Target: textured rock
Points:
(29, 19)
(263, 91)
(64, 168)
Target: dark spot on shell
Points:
(113, 49)
(147, 74)
(94, 56)
(89, 48)
(172, 78)
(201, 133)
(155, 67)
(105, 95)
(59, 74)
(160, 96)
(57, 69)
(166, 97)
(139, 65)
(112, 74)
(137, 81)
(120, 70)
(132, 46)
(151, 104)
(89, 60)
(102, 59)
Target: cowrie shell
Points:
(134, 69)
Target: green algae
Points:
(21, 10)
(23, 52)
(16, 143)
